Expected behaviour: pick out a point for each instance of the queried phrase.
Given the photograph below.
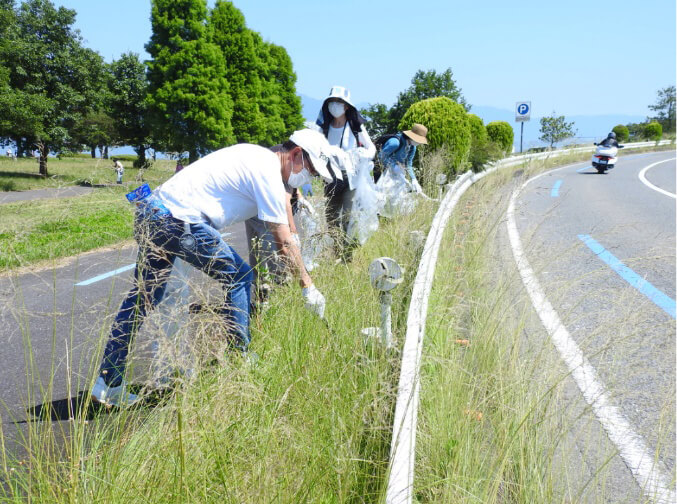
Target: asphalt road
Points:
(52, 331)
(603, 249)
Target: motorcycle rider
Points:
(609, 141)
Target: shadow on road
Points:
(65, 409)
(81, 406)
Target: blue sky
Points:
(574, 57)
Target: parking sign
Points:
(522, 111)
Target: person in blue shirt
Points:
(397, 153)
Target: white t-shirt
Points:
(228, 186)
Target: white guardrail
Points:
(400, 488)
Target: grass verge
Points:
(499, 421)
(310, 422)
(48, 229)
(51, 228)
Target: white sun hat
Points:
(319, 151)
(340, 93)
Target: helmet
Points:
(612, 135)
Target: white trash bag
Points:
(397, 192)
(172, 352)
(314, 241)
(368, 202)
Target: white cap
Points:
(317, 148)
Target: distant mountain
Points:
(310, 107)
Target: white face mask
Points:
(336, 109)
(413, 143)
(301, 178)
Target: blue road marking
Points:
(583, 169)
(106, 275)
(555, 189)
(661, 300)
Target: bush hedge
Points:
(447, 125)
(502, 134)
(479, 153)
(622, 132)
(653, 131)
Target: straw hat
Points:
(417, 133)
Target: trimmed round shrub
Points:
(622, 133)
(653, 131)
(501, 133)
(479, 140)
(478, 133)
(447, 125)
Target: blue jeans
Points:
(162, 239)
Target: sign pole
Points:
(522, 113)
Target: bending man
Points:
(181, 219)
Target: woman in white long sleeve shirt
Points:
(343, 126)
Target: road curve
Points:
(603, 249)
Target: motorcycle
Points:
(605, 157)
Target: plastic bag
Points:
(314, 240)
(397, 193)
(367, 203)
(171, 350)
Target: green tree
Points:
(447, 125)
(554, 129)
(231, 35)
(653, 131)
(424, 85)
(284, 79)
(189, 105)
(622, 132)
(665, 108)
(128, 88)
(96, 129)
(279, 102)
(502, 135)
(49, 82)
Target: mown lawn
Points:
(23, 174)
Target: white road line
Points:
(648, 472)
(114, 272)
(642, 177)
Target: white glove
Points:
(304, 203)
(417, 187)
(297, 241)
(314, 300)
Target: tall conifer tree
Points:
(189, 102)
(269, 100)
(285, 81)
(229, 32)
(279, 102)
